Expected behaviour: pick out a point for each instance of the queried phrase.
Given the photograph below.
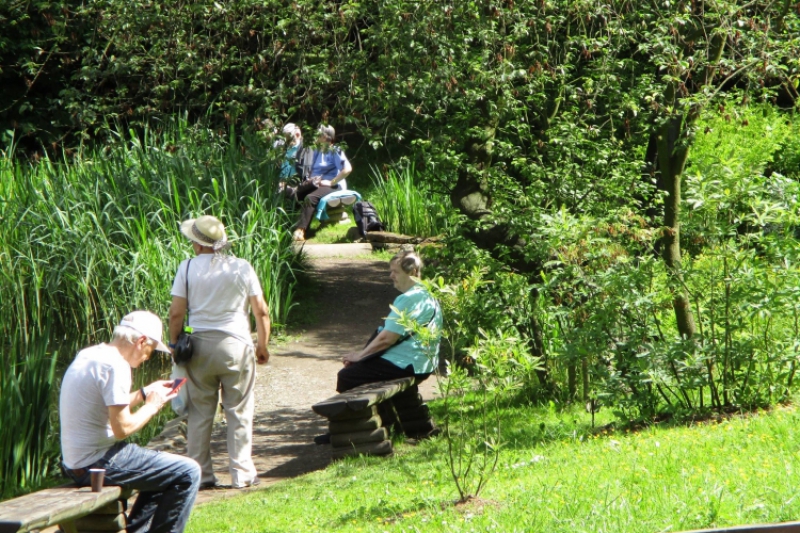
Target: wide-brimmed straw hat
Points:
(206, 230)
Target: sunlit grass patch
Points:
(556, 474)
(329, 233)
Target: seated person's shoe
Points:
(299, 235)
(323, 439)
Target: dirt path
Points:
(352, 298)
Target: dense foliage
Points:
(625, 214)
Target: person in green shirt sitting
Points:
(395, 352)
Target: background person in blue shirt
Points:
(328, 166)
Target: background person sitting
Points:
(294, 145)
(326, 165)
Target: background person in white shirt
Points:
(223, 289)
(95, 410)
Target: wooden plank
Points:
(347, 414)
(418, 427)
(52, 506)
(414, 413)
(359, 437)
(401, 401)
(785, 527)
(101, 522)
(352, 426)
(372, 448)
(117, 507)
(361, 397)
(330, 407)
(375, 393)
(68, 527)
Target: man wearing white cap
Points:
(96, 415)
(219, 292)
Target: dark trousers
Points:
(370, 371)
(310, 205)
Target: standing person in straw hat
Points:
(222, 290)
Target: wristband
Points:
(144, 394)
(171, 344)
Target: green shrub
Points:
(406, 202)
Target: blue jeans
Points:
(167, 486)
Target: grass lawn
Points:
(555, 474)
(330, 234)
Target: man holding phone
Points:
(96, 415)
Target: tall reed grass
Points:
(82, 242)
(406, 204)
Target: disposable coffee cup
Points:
(98, 475)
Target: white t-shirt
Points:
(98, 378)
(220, 288)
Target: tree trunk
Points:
(471, 195)
(672, 157)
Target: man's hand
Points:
(159, 386)
(159, 393)
(262, 355)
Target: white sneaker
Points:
(299, 235)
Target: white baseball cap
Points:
(289, 129)
(148, 324)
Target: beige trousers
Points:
(222, 361)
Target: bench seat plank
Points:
(785, 527)
(50, 507)
(362, 397)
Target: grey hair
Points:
(327, 131)
(129, 335)
(409, 262)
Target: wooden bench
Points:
(357, 427)
(73, 509)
